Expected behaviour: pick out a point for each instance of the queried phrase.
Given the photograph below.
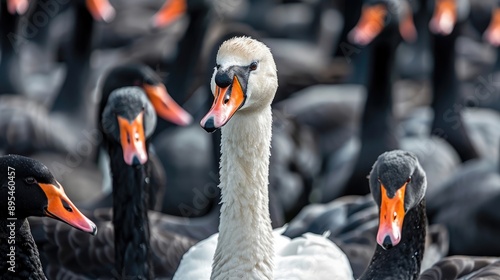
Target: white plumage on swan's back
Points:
(310, 256)
(197, 262)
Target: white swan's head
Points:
(244, 79)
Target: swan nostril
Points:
(227, 97)
(66, 206)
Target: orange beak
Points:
(165, 106)
(133, 140)
(101, 10)
(444, 18)
(227, 101)
(61, 208)
(370, 24)
(492, 33)
(392, 213)
(169, 12)
(17, 6)
(407, 27)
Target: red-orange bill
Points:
(227, 101)
(492, 33)
(169, 12)
(407, 27)
(133, 140)
(101, 10)
(165, 106)
(444, 18)
(370, 24)
(61, 208)
(17, 6)
(392, 214)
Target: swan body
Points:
(294, 257)
(244, 84)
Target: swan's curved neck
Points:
(245, 247)
(130, 217)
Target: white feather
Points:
(310, 256)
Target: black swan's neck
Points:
(130, 217)
(189, 47)
(377, 123)
(498, 163)
(70, 98)
(183, 74)
(447, 104)
(8, 39)
(352, 13)
(496, 66)
(25, 258)
(403, 260)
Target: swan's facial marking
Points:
(244, 78)
(229, 96)
(224, 77)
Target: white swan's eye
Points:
(217, 66)
(253, 65)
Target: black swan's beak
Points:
(444, 18)
(370, 24)
(492, 33)
(17, 6)
(165, 106)
(133, 140)
(61, 208)
(101, 10)
(392, 214)
(171, 10)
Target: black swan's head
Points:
(128, 120)
(398, 184)
(28, 188)
(143, 76)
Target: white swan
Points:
(244, 84)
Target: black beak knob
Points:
(222, 79)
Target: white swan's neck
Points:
(245, 247)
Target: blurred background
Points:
(356, 78)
